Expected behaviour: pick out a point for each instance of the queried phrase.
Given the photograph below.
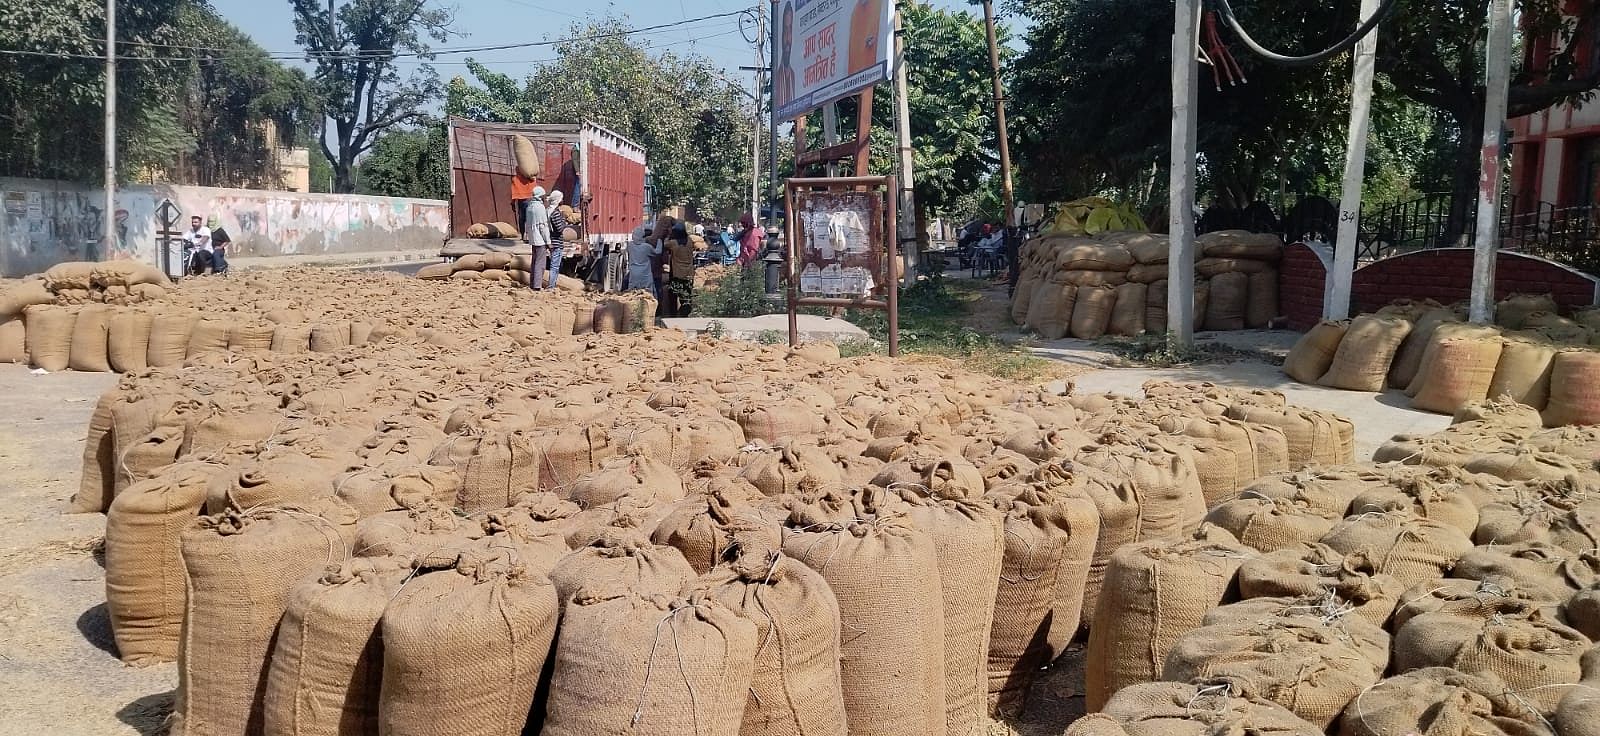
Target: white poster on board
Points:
(828, 49)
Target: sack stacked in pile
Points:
(74, 286)
(1116, 283)
(433, 532)
(1532, 357)
(1450, 587)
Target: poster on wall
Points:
(828, 49)
(839, 244)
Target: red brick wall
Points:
(1300, 286)
(1445, 276)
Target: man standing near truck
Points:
(537, 234)
(521, 191)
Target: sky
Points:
(493, 22)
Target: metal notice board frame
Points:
(869, 250)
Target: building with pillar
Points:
(1555, 156)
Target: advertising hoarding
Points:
(828, 49)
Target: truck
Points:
(599, 172)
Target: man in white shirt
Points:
(198, 237)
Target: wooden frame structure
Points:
(880, 231)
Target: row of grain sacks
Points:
(1450, 587)
(117, 283)
(1533, 357)
(494, 266)
(431, 535)
(1116, 283)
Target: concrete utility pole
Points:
(902, 115)
(108, 219)
(755, 130)
(1006, 191)
(772, 128)
(830, 136)
(1180, 226)
(1498, 74)
(1355, 161)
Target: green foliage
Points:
(408, 163)
(741, 293)
(356, 82)
(1161, 350)
(931, 316)
(771, 337)
(695, 126)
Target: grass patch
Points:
(742, 292)
(1162, 351)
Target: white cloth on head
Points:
(538, 192)
(641, 261)
(555, 199)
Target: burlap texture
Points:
(144, 561)
(623, 558)
(1412, 549)
(1170, 496)
(1205, 708)
(1269, 524)
(1512, 641)
(97, 481)
(702, 526)
(1363, 359)
(1315, 569)
(495, 467)
(1311, 355)
(1442, 701)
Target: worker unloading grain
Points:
(537, 220)
(641, 259)
(559, 227)
(680, 288)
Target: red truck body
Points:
(579, 159)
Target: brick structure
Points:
(1444, 275)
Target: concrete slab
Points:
(812, 328)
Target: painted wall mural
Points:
(47, 222)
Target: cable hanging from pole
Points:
(1225, 9)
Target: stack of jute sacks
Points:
(1116, 283)
(665, 535)
(497, 266)
(1449, 587)
(1531, 356)
(115, 283)
(293, 311)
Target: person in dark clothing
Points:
(219, 245)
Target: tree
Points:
(408, 163)
(694, 125)
(354, 49)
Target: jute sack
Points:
(284, 479)
(1050, 529)
(1204, 708)
(703, 525)
(1211, 268)
(329, 337)
(90, 338)
(1256, 450)
(1461, 597)
(1022, 298)
(1545, 571)
(1582, 611)
(147, 454)
(529, 163)
(1315, 569)
(1240, 244)
(1408, 359)
(1202, 300)
(1512, 641)
(1544, 515)
(128, 340)
(13, 340)
(1313, 353)
(622, 557)
(141, 410)
(495, 467)
(1363, 359)
(611, 652)
(144, 561)
(1269, 525)
(1430, 496)
(1155, 592)
(1055, 309)
(1440, 700)
(1148, 248)
(1579, 712)
(1090, 278)
(1089, 255)
(1262, 307)
(1310, 666)
(428, 530)
(1448, 331)
(942, 475)
(789, 468)
(16, 300)
(1127, 317)
(169, 338)
(1461, 371)
(1091, 312)
(1500, 409)
(326, 672)
(1044, 303)
(1528, 464)
(627, 475)
(1117, 504)
(464, 648)
(1313, 437)
(1143, 273)
(97, 479)
(1225, 307)
(1164, 479)
(1155, 307)
(49, 336)
(1513, 311)
(1096, 724)
(232, 557)
(208, 335)
(1523, 373)
(1412, 549)
(884, 573)
(291, 338)
(776, 420)
(253, 337)
(1574, 388)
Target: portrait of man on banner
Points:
(828, 49)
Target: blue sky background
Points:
(490, 22)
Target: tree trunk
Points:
(1464, 176)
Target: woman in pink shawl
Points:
(749, 240)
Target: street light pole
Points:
(907, 226)
(755, 119)
(999, 114)
(108, 237)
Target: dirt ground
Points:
(58, 669)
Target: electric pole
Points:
(773, 188)
(1498, 75)
(1355, 162)
(1180, 205)
(108, 237)
(902, 114)
(755, 128)
(1006, 191)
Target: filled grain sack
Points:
(1240, 244)
(128, 340)
(1225, 305)
(1312, 666)
(169, 338)
(1204, 708)
(282, 479)
(703, 525)
(1155, 307)
(1412, 549)
(1091, 278)
(1544, 571)
(1448, 331)
(1313, 437)
(1162, 476)
(258, 557)
(789, 468)
(611, 654)
(1574, 388)
(625, 557)
(1202, 300)
(16, 299)
(436, 271)
(1155, 592)
(1511, 641)
(1513, 311)
(1147, 273)
(1363, 359)
(1500, 409)
(1127, 316)
(795, 687)
(883, 571)
(291, 338)
(1148, 248)
(49, 336)
(1542, 514)
(1313, 569)
(1523, 373)
(1050, 530)
(97, 479)
(1440, 700)
(1256, 449)
(1269, 524)
(1408, 359)
(1022, 298)
(1262, 307)
(1090, 255)
(90, 339)
(495, 467)
(529, 164)
(329, 337)
(13, 340)
(464, 648)
(1091, 312)
(144, 560)
(1461, 371)
(1050, 313)
(1313, 353)
(208, 335)
(430, 529)
(1431, 496)
(326, 673)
